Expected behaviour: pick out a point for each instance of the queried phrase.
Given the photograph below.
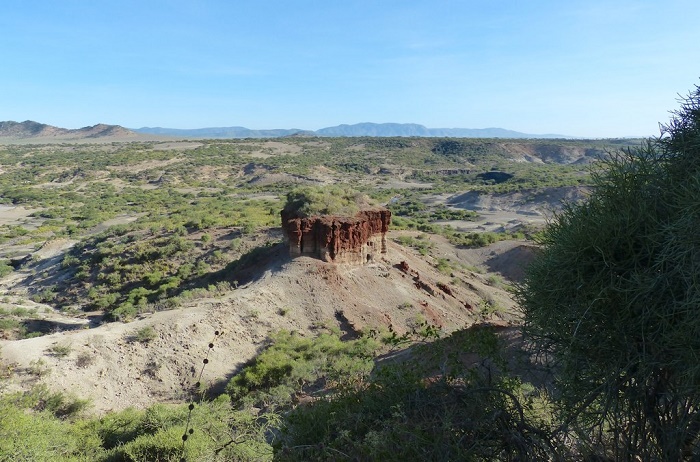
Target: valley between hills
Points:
(121, 259)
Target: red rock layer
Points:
(338, 239)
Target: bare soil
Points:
(508, 211)
(15, 214)
(114, 370)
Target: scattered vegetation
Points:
(135, 268)
(458, 238)
(328, 200)
(293, 365)
(154, 229)
(152, 224)
(39, 368)
(13, 322)
(413, 411)
(54, 431)
(421, 243)
(422, 214)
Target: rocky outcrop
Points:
(355, 240)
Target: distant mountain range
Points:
(362, 129)
(223, 132)
(30, 129)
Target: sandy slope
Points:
(106, 365)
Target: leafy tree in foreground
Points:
(614, 300)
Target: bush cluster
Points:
(294, 365)
(327, 200)
(613, 299)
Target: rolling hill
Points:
(31, 129)
(35, 130)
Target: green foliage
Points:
(191, 217)
(444, 265)
(421, 243)
(40, 436)
(35, 427)
(472, 239)
(40, 399)
(130, 268)
(5, 268)
(489, 307)
(39, 368)
(220, 189)
(613, 298)
(295, 364)
(419, 211)
(421, 331)
(9, 324)
(13, 322)
(219, 433)
(61, 350)
(145, 334)
(327, 200)
(458, 238)
(411, 411)
(429, 406)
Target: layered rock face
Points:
(354, 240)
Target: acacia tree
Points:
(613, 300)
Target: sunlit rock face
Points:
(355, 240)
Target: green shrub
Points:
(165, 445)
(327, 200)
(124, 312)
(293, 364)
(9, 323)
(145, 334)
(427, 407)
(39, 398)
(43, 437)
(218, 433)
(61, 350)
(39, 368)
(5, 268)
(444, 265)
(422, 245)
(613, 298)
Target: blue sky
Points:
(580, 68)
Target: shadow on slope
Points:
(250, 267)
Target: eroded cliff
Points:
(355, 240)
